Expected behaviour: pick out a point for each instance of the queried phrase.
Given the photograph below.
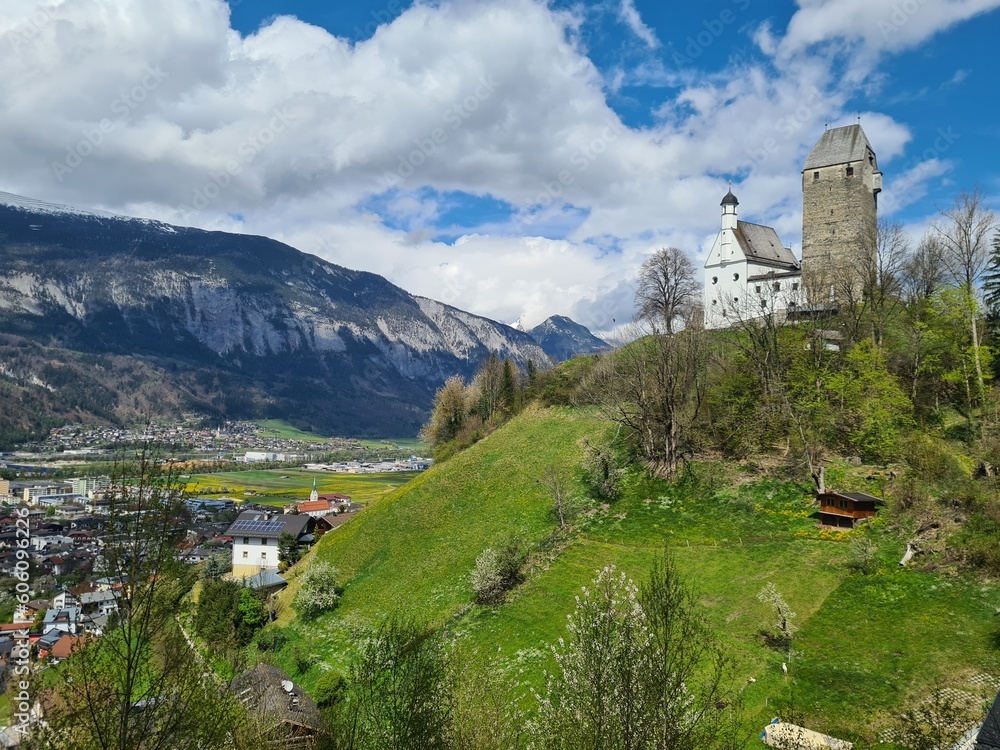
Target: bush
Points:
(320, 590)
(498, 570)
(330, 689)
(271, 640)
(601, 472)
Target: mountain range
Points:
(115, 318)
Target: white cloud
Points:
(631, 18)
(876, 26)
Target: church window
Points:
(815, 176)
(715, 279)
(850, 171)
(736, 299)
(714, 301)
(777, 286)
(736, 277)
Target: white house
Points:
(255, 539)
(748, 273)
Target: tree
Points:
(397, 698)
(654, 388)
(964, 245)
(639, 670)
(140, 685)
(497, 571)
(991, 289)
(601, 471)
(217, 565)
(782, 612)
(509, 397)
(667, 288)
(449, 415)
(319, 591)
(289, 551)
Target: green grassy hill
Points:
(867, 646)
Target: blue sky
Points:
(510, 157)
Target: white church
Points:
(749, 272)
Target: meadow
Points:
(279, 486)
(865, 646)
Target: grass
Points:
(865, 648)
(278, 485)
(281, 429)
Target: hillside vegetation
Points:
(866, 647)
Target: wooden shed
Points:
(846, 510)
(290, 718)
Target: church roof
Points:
(729, 199)
(760, 244)
(839, 146)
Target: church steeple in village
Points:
(314, 495)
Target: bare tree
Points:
(923, 274)
(964, 239)
(654, 388)
(667, 288)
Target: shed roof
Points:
(989, 734)
(761, 245)
(269, 690)
(839, 146)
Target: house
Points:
(64, 620)
(268, 692)
(989, 734)
(255, 539)
(101, 603)
(331, 521)
(749, 273)
(846, 510)
(267, 580)
(29, 611)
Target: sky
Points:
(514, 158)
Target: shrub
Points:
(602, 472)
(498, 570)
(330, 689)
(320, 590)
(271, 640)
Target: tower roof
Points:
(839, 146)
(729, 199)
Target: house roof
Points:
(989, 734)
(269, 690)
(858, 497)
(265, 579)
(254, 523)
(761, 245)
(839, 146)
(65, 645)
(311, 506)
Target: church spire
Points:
(314, 495)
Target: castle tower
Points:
(840, 187)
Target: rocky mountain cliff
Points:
(235, 325)
(563, 338)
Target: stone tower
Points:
(840, 187)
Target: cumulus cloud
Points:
(354, 151)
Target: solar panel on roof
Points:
(264, 526)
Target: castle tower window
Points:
(815, 176)
(756, 288)
(850, 171)
(777, 286)
(795, 286)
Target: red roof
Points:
(334, 497)
(311, 506)
(65, 645)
